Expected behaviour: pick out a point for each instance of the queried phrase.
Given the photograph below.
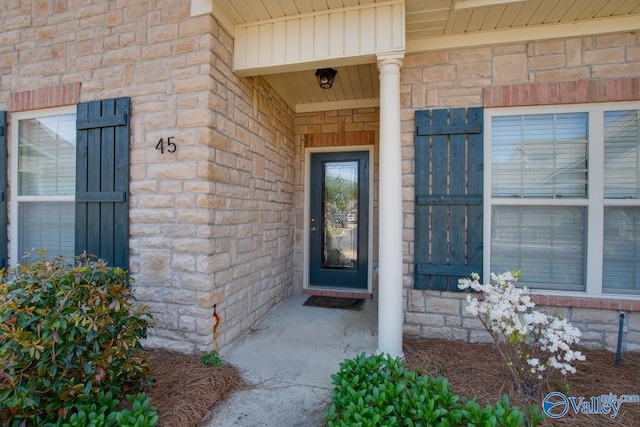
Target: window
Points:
(563, 205)
(69, 183)
(44, 179)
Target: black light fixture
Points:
(325, 77)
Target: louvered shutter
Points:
(3, 190)
(102, 180)
(448, 187)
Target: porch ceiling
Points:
(430, 25)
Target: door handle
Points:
(313, 228)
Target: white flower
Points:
(538, 340)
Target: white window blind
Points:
(542, 155)
(565, 196)
(621, 154)
(47, 225)
(621, 269)
(546, 243)
(46, 148)
(621, 254)
(47, 156)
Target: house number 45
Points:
(170, 145)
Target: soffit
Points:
(431, 25)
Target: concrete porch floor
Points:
(290, 358)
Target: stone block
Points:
(180, 296)
(590, 315)
(187, 324)
(473, 323)
(613, 55)
(443, 305)
(209, 298)
(548, 47)
(591, 336)
(425, 319)
(197, 282)
(445, 333)
(121, 56)
(633, 321)
(509, 69)
(480, 336)
(411, 330)
(148, 294)
(155, 267)
(416, 300)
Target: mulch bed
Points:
(186, 390)
(478, 370)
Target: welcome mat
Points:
(335, 302)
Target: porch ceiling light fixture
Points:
(325, 77)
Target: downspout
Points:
(390, 314)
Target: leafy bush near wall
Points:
(379, 391)
(103, 412)
(69, 334)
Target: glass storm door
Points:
(339, 220)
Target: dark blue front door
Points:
(339, 220)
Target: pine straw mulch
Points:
(478, 370)
(185, 390)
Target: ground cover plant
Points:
(380, 390)
(70, 345)
(475, 370)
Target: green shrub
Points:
(103, 412)
(68, 331)
(379, 390)
(211, 358)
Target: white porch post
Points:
(390, 210)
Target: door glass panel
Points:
(340, 215)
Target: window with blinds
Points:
(46, 150)
(621, 269)
(564, 205)
(542, 155)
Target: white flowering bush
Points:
(533, 344)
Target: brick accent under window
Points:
(567, 92)
(55, 96)
(585, 302)
(340, 139)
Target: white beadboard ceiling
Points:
(430, 25)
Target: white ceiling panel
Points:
(426, 21)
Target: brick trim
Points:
(584, 302)
(340, 139)
(566, 92)
(54, 96)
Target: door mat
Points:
(335, 302)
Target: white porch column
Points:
(390, 210)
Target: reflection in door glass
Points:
(340, 215)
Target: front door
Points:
(339, 220)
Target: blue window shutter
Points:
(3, 190)
(448, 189)
(102, 180)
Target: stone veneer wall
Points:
(211, 223)
(350, 127)
(585, 69)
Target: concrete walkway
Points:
(290, 357)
